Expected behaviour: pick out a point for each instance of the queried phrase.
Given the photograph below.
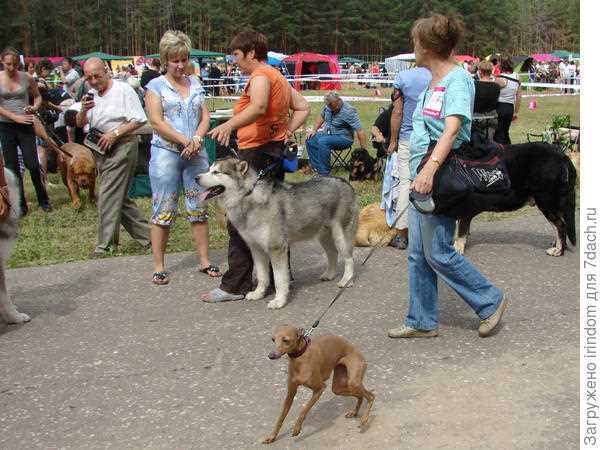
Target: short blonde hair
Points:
(486, 67)
(174, 43)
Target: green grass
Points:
(68, 235)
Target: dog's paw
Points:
(364, 419)
(255, 294)
(347, 284)
(277, 303)
(269, 439)
(555, 251)
(350, 414)
(16, 317)
(76, 204)
(296, 430)
(459, 245)
(327, 276)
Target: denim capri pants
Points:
(169, 175)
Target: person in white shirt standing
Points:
(564, 75)
(114, 109)
(68, 75)
(572, 71)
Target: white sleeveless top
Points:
(508, 94)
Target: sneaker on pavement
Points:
(408, 332)
(487, 326)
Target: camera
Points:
(89, 97)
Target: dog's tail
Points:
(568, 198)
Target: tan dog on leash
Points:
(311, 363)
(78, 171)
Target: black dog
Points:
(363, 166)
(538, 172)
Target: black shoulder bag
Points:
(476, 166)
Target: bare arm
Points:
(35, 93)
(379, 137)
(259, 91)
(108, 139)
(362, 137)
(318, 123)
(301, 109)
(518, 101)
(159, 124)
(424, 180)
(194, 145)
(81, 117)
(500, 82)
(127, 128)
(395, 122)
(204, 122)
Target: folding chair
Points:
(341, 158)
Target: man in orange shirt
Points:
(261, 118)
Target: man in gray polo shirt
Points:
(341, 122)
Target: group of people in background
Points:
(172, 98)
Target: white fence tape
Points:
(390, 82)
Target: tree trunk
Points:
(25, 31)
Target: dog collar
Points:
(261, 175)
(301, 352)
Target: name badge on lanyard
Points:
(435, 103)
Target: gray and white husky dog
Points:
(8, 236)
(271, 215)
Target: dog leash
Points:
(343, 288)
(52, 135)
(261, 174)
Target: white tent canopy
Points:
(399, 62)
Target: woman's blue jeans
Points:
(431, 254)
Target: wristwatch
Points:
(435, 159)
(116, 132)
(198, 139)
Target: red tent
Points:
(545, 57)
(466, 58)
(53, 59)
(300, 64)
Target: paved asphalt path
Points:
(112, 361)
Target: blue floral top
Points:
(183, 115)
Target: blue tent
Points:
(276, 60)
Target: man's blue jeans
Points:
(431, 254)
(319, 148)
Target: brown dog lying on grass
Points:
(78, 171)
(373, 229)
(311, 363)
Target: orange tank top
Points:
(272, 125)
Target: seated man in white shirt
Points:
(115, 111)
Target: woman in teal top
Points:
(443, 114)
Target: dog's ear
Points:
(299, 333)
(243, 167)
